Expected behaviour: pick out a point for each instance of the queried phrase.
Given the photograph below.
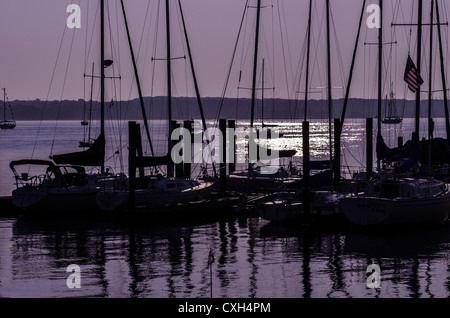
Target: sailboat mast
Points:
(194, 77)
(102, 74)
(329, 81)
(419, 58)
(255, 61)
(4, 104)
(350, 77)
(138, 82)
(380, 80)
(90, 104)
(170, 170)
(307, 59)
(444, 84)
(262, 96)
(430, 79)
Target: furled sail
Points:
(414, 155)
(94, 156)
(390, 154)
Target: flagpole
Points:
(419, 57)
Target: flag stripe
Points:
(412, 76)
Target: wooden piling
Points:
(132, 164)
(187, 161)
(179, 167)
(400, 141)
(223, 154)
(306, 168)
(369, 147)
(170, 164)
(337, 155)
(232, 146)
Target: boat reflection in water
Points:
(253, 258)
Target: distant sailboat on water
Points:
(391, 117)
(6, 124)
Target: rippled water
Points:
(253, 258)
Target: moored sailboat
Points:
(390, 198)
(155, 193)
(65, 186)
(398, 201)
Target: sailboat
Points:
(256, 178)
(392, 118)
(391, 199)
(155, 193)
(6, 124)
(289, 205)
(62, 185)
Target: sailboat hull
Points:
(280, 211)
(392, 120)
(152, 200)
(367, 211)
(7, 125)
(51, 202)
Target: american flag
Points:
(412, 76)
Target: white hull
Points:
(380, 211)
(152, 199)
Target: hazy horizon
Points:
(32, 35)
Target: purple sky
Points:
(31, 32)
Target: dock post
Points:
(306, 168)
(232, 146)
(170, 164)
(178, 166)
(337, 155)
(187, 124)
(138, 144)
(400, 141)
(369, 147)
(223, 154)
(132, 164)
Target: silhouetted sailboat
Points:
(155, 193)
(64, 184)
(391, 118)
(391, 199)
